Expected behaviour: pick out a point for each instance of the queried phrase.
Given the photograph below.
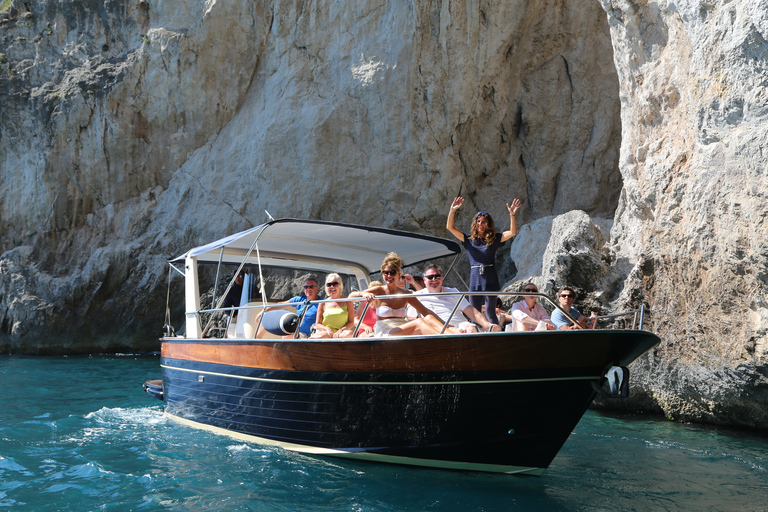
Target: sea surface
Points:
(80, 434)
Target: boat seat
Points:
(247, 322)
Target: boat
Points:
(154, 388)
(501, 402)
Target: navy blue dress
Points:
(483, 276)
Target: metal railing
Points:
(637, 321)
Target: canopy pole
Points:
(239, 269)
(261, 280)
(216, 281)
(176, 269)
(450, 267)
(168, 328)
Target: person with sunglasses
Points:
(391, 312)
(311, 292)
(481, 244)
(443, 305)
(337, 319)
(527, 313)
(566, 295)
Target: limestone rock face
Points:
(691, 218)
(576, 253)
(689, 234)
(138, 131)
(567, 249)
(634, 133)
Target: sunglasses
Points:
(241, 275)
(566, 295)
(389, 272)
(531, 290)
(334, 284)
(433, 276)
(483, 213)
(310, 286)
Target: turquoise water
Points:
(80, 434)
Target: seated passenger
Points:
(233, 295)
(390, 313)
(336, 319)
(442, 306)
(528, 313)
(369, 321)
(566, 296)
(311, 290)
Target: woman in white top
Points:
(390, 313)
(528, 313)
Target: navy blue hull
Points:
(514, 418)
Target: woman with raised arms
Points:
(481, 244)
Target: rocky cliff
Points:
(633, 131)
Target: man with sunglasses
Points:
(311, 292)
(527, 314)
(566, 295)
(443, 305)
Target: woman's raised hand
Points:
(457, 203)
(516, 204)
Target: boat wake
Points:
(125, 417)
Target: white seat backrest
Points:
(246, 322)
(246, 325)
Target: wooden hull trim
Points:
(487, 352)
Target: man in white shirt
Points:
(443, 305)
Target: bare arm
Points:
(480, 319)
(318, 325)
(593, 323)
(572, 327)
(449, 225)
(413, 282)
(370, 293)
(521, 316)
(423, 310)
(513, 208)
(350, 315)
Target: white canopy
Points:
(318, 244)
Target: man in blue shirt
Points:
(566, 295)
(311, 290)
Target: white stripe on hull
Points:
(381, 383)
(360, 455)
